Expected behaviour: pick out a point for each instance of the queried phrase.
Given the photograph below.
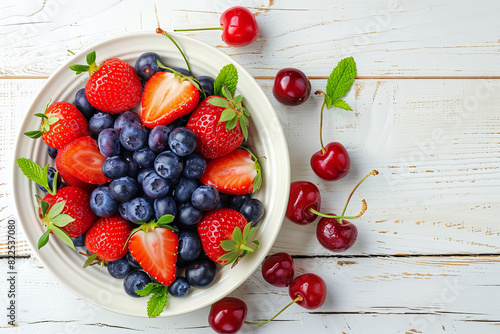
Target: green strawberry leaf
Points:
(52, 120)
(227, 76)
(165, 219)
(341, 78)
(63, 236)
(90, 260)
(91, 58)
(341, 104)
(34, 134)
(62, 220)
(45, 206)
(56, 209)
(35, 173)
(231, 124)
(43, 239)
(228, 245)
(158, 299)
(41, 115)
(227, 114)
(79, 68)
(219, 102)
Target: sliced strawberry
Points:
(167, 96)
(224, 235)
(108, 237)
(155, 248)
(61, 123)
(236, 173)
(82, 160)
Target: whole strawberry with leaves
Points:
(225, 236)
(61, 123)
(220, 123)
(113, 86)
(65, 212)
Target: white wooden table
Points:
(426, 115)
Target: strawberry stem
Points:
(164, 33)
(200, 29)
(299, 298)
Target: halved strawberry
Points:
(61, 123)
(82, 159)
(155, 248)
(167, 96)
(236, 173)
(108, 237)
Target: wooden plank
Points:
(435, 144)
(365, 295)
(386, 37)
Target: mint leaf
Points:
(341, 104)
(34, 172)
(341, 78)
(227, 76)
(147, 289)
(157, 301)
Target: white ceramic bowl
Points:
(266, 138)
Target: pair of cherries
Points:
(228, 315)
(333, 232)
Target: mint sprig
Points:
(228, 76)
(158, 300)
(339, 83)
(35, 173)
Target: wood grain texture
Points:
(374, 295)
(386, 37)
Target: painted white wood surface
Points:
(425, 117)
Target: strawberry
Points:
(82, 160)
(168, 96)
(154, 245)
(222, 238)
(62, 123)
(113, 86)
(107, 238)
(220, 125)
(236, 173)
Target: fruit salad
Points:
(151, 179)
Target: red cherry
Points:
(227, 315)
(335, 236)
(332, 164)
(310, 289)
(278, 269)
(303, 196)
(240, 26)
(291, 87)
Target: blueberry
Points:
(201, 273)
(180, 287)
(125, 118)
(124, 188)
(52, 152)
(145, 157)
(252, 210)
(165, 206)
(131, 261)
(168, 165)
(189, 215)
(138, 209)
(207, 83)
(158, 138)
(84, 105)
(115, 167)
(143, 173)
(119, 268)
(236, 201)
(99, 122)
(194, 166)
(184, 189)
(109, 142)
(79, 241)
(102, 202)
(182, 141)
(205, 198)
(122, 210)
(135, 280)
(155, 186)
(51, 172)
(189, 245)
(146, 65)
(133, 136)
(133, 167)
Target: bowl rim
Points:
(18, 176)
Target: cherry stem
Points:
(373, 172)
(336, 217)
(299, 298)
(164, 33)
(199, 29)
